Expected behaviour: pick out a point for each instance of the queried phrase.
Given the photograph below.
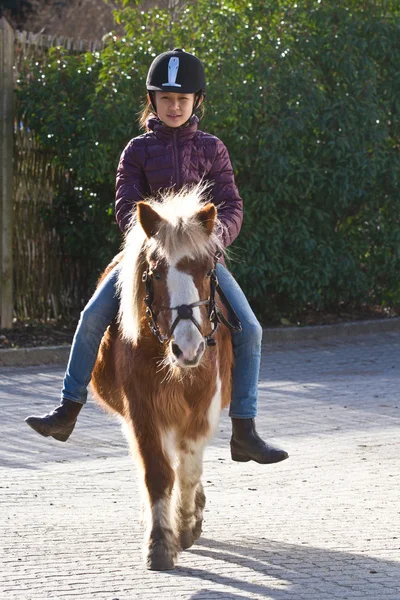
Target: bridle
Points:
(185, 311)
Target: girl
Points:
(172, 153)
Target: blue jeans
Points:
(102, 308)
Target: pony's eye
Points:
(157, 275)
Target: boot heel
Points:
(62, 437)
(240, 457)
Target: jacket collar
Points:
(163, 132)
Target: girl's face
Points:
(174, 108)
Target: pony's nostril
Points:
(176, 350)
(200, 349)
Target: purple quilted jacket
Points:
(167, 157)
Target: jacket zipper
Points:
(176, 157)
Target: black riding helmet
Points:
(176, 71)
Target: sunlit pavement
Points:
(323, 525)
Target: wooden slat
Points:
(6, 172)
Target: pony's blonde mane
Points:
(181, 234)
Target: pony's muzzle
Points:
(187, 357)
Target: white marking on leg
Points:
(214, 410)
(161, 519)
(189, 474)
(161, 514)
(191, 462)
(168, 442)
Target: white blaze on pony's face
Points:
(187, 345)
(180, 255)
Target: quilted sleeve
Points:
(131, 186)
(225, 195)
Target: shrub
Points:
(306, 98)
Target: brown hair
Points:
(144, 114)
(148, 111)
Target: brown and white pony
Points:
(169, 390)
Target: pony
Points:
(164, 366)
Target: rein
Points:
(185, 311)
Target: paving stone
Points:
(324, 524)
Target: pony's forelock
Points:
(181, 234)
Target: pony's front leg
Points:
(191, 499)
(161, 543)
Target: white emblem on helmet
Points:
(173, 67)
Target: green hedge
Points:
(306, 97)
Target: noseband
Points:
(185, 311)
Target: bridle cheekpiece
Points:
(185, 311)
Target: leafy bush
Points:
(306, 97)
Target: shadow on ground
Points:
(293, 571)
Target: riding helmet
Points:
(176, 71)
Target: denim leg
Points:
(246, 350)
(101, 309)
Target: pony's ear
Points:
(207, 216)
(149, 219)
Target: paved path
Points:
(323, 525)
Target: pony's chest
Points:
(204, 402)
(192, 405)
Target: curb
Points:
(58, 355)
(29, 357)
(321, 332)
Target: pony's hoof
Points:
(160, 558)
(186, 539)
(197, 529)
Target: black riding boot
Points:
(59, 423)
(247, 445)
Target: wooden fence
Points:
(29, 42)
(47, 283)
(6, 172)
